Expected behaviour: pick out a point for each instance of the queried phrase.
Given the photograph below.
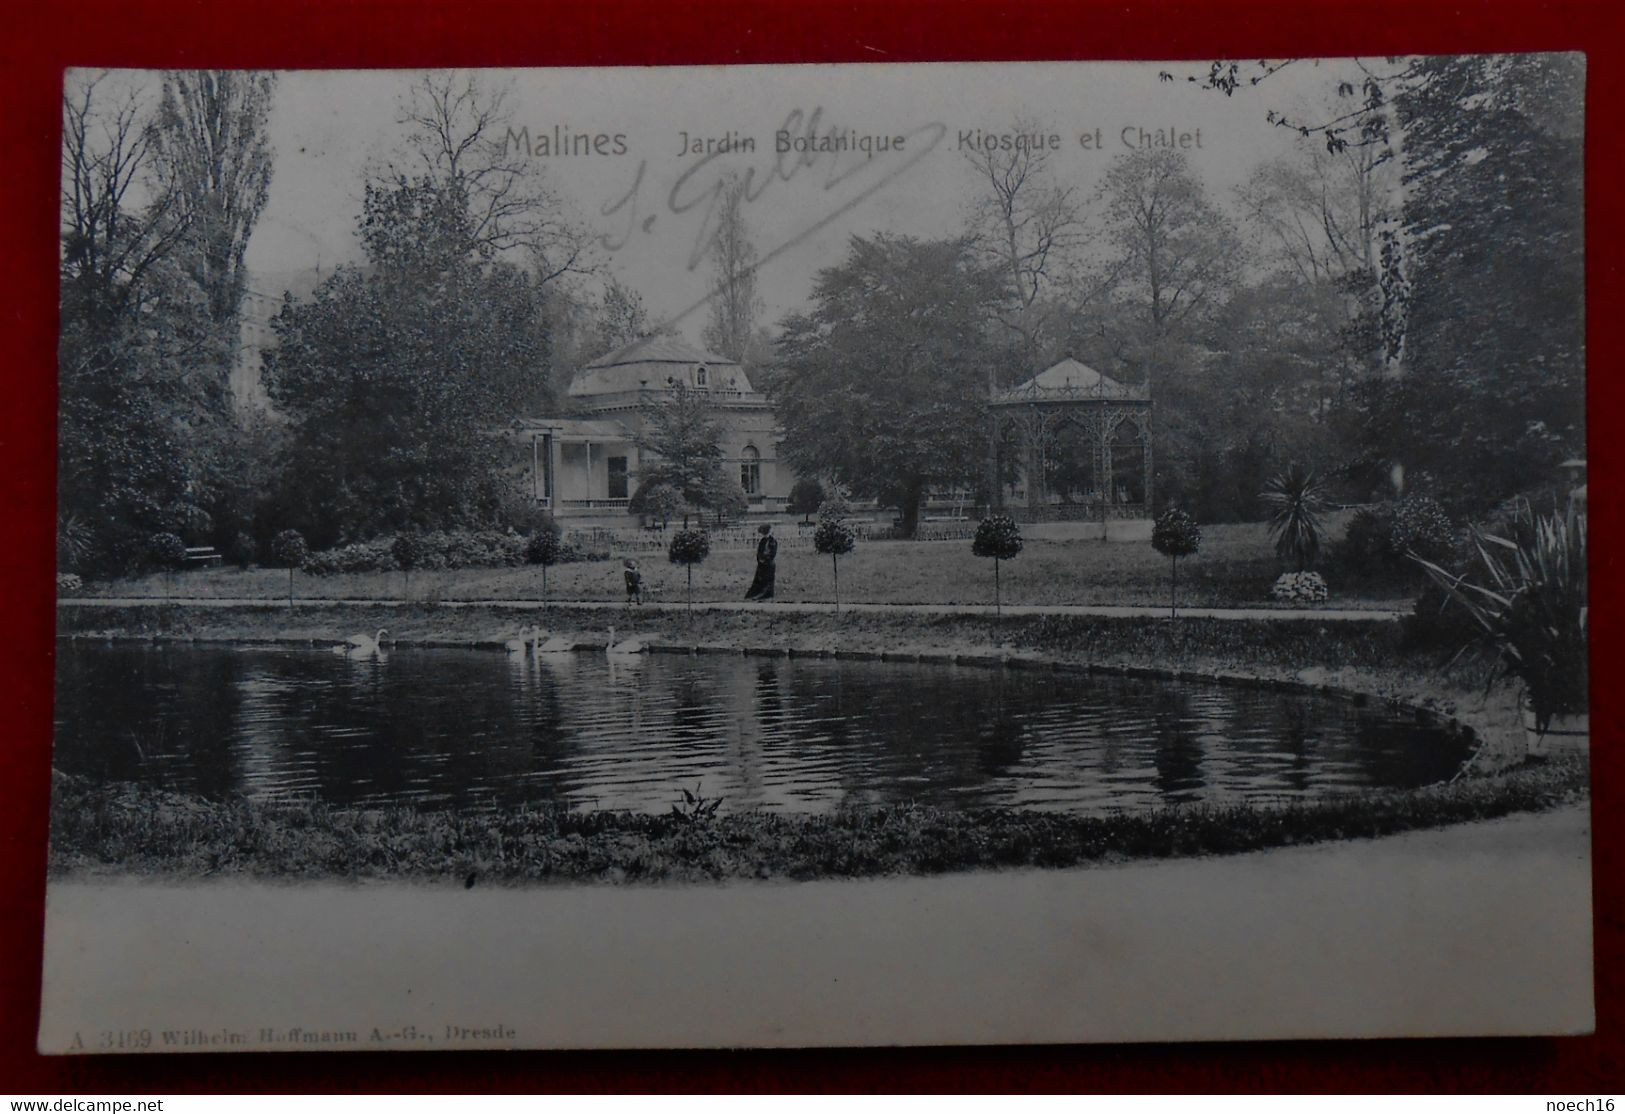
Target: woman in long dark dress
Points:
(767, 551)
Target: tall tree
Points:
(458, 134)
(1178, 252)
(1028, 225)
(682, 447)
(1492, 395)
(212, 148)
(734, 303)
(1177, 258)
(129, 397)
(883, 382)
(394, 376)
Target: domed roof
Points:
(651, 362)
(658, 349)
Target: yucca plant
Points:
(1530, 607)
(1295, 499)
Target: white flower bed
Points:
(1299, 587)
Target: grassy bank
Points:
(1235, 568)
(124, 829)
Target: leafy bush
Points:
(356, 557)
(1299, 587)
(449, 549)
(1380, 540)
(521, 514)
(166, 551)
(545, 546)
(806, 496)
(407, 551)
(656, 500)
(572, 553)
(67, 583)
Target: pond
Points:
(480, 730)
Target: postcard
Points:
(821, 555)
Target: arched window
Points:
(699, 376)
(750, 470)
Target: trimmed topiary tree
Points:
(1175, 535)
(289, 550)
(834, 537)
(688, 548)
(545, 547)
(408, 549)
(998, 537)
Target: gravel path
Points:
(1479, 929)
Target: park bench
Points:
(201, 556)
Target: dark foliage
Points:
(688, 547)
(1175, 534)
(288, 549)
(884, 382)
(166, 551)
(1381, 540)
(806, 496)
(546, 545)
(152, 832)
(997, 536)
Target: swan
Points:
(362, 645)
(518, 644)
(556, 645)
(630, 646)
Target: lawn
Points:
(1235, 568)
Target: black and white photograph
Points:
(820, 555)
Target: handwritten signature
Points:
(702, 187)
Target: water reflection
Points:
(479, 730)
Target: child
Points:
(634, 583)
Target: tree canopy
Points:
(883, 384)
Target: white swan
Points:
(556, 645)
(517, 645)
(362, 646)
(630, 646)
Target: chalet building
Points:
(587, 465)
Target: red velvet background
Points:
(36, 44)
